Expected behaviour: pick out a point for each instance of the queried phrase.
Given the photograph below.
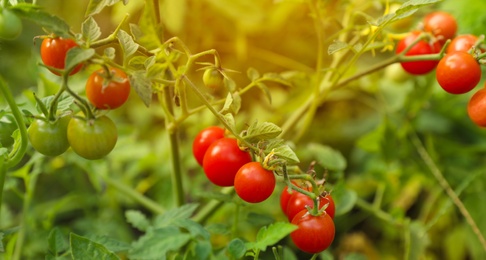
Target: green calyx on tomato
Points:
(10, 25)
(92, 138)
(49, 137)
(213, 79)
(108, 90)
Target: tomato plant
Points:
(458, 72)
(203, 140)
(222, 161)
(49, 138)
(92, 138)
(422, 47)
(476, 108)
(442, 24)
(10, 25)
(7, 127)
(314, 234)
(108, 90)
(253, 183)
(53, 52)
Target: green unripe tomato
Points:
(49, 138)
(92, 139)
(396, 73)
(213, 79)
(10, 25)
(7, 127)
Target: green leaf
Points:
(268, 236)
(230, 121)
(85, 249)
(127, 44)
(262, 131)
(344, 198)
(142, 85)
(232, 103)
(266, 91)
(203, 249)
(283, 151)
(150, 30)
(57, 243)
(252, 74)
(49, 22)
(77, 56)
(90, 30)
(110, 243)
(109, 53)
(194, 228)
(336, 46)
(137, 219)
(236, 248)
(156, 243)
(169, 217)
(327, 157)
(96, 6)
(405, 10)
(419, 240)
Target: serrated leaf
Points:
(283, 151)
(168, 218)
(344, 198)
(236, 248)
(252, 74)
(336, 46)
(151, 32)
(57, 243)
(110, 53)
(85, 249)
(194, 228)
(230, 121)
(156, 243)
(45, 20)
(405, 10)
(90, 30)
(327, 157)
(268, 236)
(127, 44)
(232, 103)
(262, 131)
(96, 6)
(77, 56)
(157, 70)
(142, 85)
(110, 243)
(137, 219)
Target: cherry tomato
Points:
(203, 139)
(53, 53)
(108, 91)
(462, 43)
(7, 127)
(49, 138)
(299, 201)
(92, 139)
(458, 72)
(222, 161)
(314, 234)
(441, 24)
(284, 198)
(253, 183)
(421, 48)
(10, 25)
(476, 108)
(213, 79)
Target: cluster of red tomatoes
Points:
(90, 138)
(315, 233)
(225, 165)
(459, 70)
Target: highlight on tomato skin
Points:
(441, 24)
(462, 42)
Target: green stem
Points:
(136, 196)
(111, 37)
(19, 151)
(380, 214)
(314, 256)
(3, 176)
(211, 207)
(447, 188)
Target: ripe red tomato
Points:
(421, 48)
(53, 53)
(462, 43)
(222, 161)
(298, 201)
(476, 108)
(92, 139)
(108, 91)
(49, 138)
(253, 183)
(314, 234)
(203, 139)
(441, 24)
(458, 72)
